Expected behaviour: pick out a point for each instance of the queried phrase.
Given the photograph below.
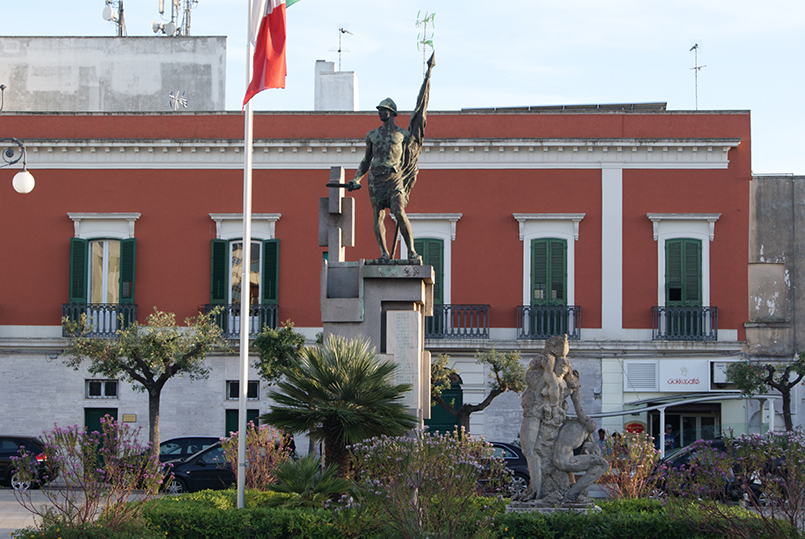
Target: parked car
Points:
(206, 469)
(183, 447)
(736, 484)
(10, 447)
(515, 461)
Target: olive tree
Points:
(506, 374)
(753, 377)
(146, 355)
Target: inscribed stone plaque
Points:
(403, 331)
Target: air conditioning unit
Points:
(720, 372)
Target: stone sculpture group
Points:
(548, 438)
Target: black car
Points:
(206, 469)
(10, 447)
(181, 448)
(736, 485)
(515, 460)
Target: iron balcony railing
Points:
(458, 321)
(540, 322)
(103, 319)
(228, 318)
(685, 323)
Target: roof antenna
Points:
(341, 32)
(696, 68)
(423, 38)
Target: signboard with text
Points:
(685, 375)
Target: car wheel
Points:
(18, 484)
(519, 484)
(176, 486)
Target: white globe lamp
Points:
(23, 182)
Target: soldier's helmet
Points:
(388, 104)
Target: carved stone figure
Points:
(391, 158)
(547, 439)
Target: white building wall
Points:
(112, 74)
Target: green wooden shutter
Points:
(219, 269)
(78, 270)
(693, 272)
(558, 265)
(683, 272)
(271, 270)
(548, 271)
(432, 252)
(128, 255)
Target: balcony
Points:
(684, 323)
(458, 321)
(540, 322)
(228, 318)
(103, 319)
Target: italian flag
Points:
(267, 35)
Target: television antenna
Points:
(428, 18)
(341, 31)
(179, 24)
(177, 100)
(696, 68)
(113, 12)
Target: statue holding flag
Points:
(391, 158)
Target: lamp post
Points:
(23, 181)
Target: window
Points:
(679, 235)
(233, 390)
(683, 272)
(101, 389)
(549, 271)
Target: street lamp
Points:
(23, 181)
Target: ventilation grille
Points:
(640, 376)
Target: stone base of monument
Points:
(394, 262)
(553, 504)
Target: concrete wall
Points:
(112, 74)
(334, 90)
(776, 266)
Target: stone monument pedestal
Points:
(386, 304)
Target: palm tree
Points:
(341, 393)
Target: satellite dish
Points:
(170, 28)
(109, 14)
(156, 27)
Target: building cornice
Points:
(490, 153)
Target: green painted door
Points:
(440, 419)
(92, 417)
(232, 420)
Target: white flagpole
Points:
(245, 280)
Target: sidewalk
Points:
(14, 516)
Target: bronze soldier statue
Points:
(391, 158)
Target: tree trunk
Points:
(153, 418)
(789, 425)
(335, 453)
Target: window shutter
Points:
(78, 270)
(558, 258)
(219, 267)
(548, 271)
(432, 252)
(271, 270)
(539, 271)
(693, 273)
(128, 255)
(683, 272)
(673, 272)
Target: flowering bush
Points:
(266, 448)
(99, 472)
(632, 459)
(425, 485)
(766, 471)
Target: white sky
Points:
(513, 53)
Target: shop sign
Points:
(684, 375)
